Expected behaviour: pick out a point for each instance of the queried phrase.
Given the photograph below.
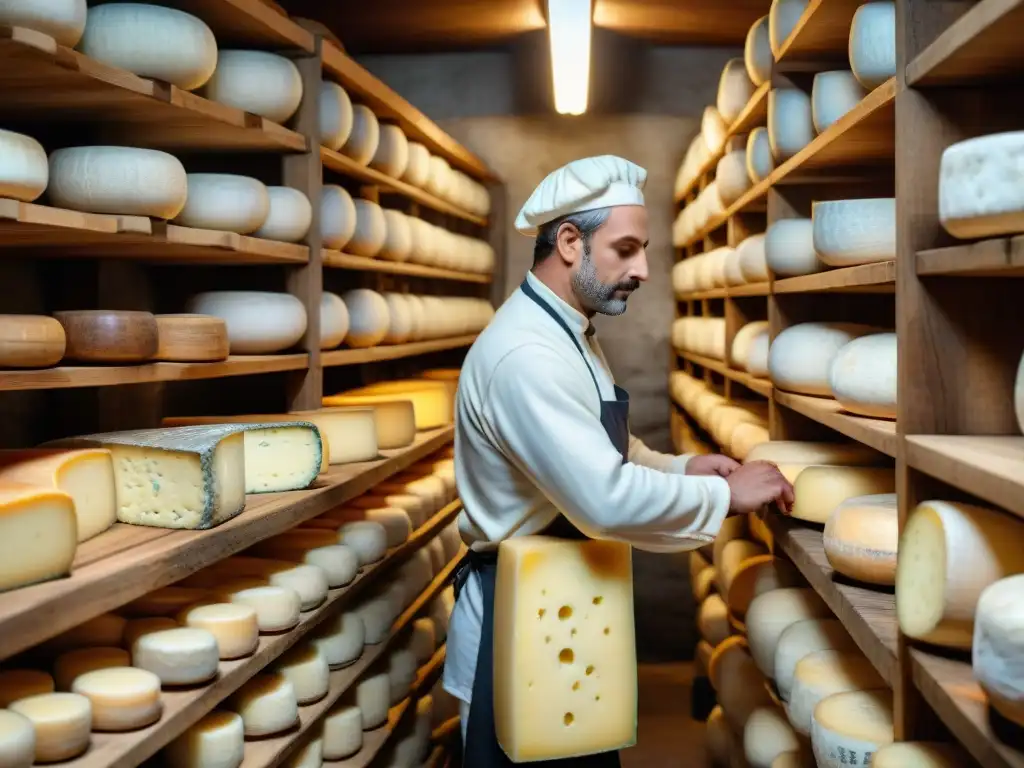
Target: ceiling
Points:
(387, 26)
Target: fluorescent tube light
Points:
(569, 30)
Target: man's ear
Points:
(568, 243)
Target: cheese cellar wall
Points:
(239, 276)
(844, 311)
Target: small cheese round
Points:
(833, 94)
(267, 705)
(337, 216)
(733, 554)
(732, 177)
(341, 639)
(801, 356)
(998, 644)
(62, 723)
(289, 217)
(373, 697)
(306, 668)
(226, 202)
(21, 683)
(758, 575)
(719, 738)
(734, 90)
(713, 620)
(789, 248)
(183, 656)
(335, 115)
(767, 735)
(823, 673)
(368, 318)
(216, 741)
(232, 624)
(920, 754)
(122, 698)
(70, 665)
(802, 452)
(259, 322)
(310, 756)
(704, 585)
(771, 613)
(853, 722)
(17, 740)
(397, 244)
(757, 52)
(262, 83)
(740, 687)
(803, 638)
(334, 320)
(851, 232)
(24, 171)
(136, 628)
(392, 154)
(364, 137)
(790, 124)
(369, 540)
(371, 229)
(818, 490)
(759, 160)
(377, 611)
(342, 732)
(861, 538)
(318, 548)
(307, 581)
(277, 608)
(872, 48)
(418, 168)
(782, 20)
(402, 668)
(63, 20)
(753, 264)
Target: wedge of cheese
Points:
(188, 477)
(38, 534)
(431, 400)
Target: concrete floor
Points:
(668, 738)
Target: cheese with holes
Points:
(285, 456)
(233, 625)
(801, 639)
(771, 613)
(739, 685)
(319, 548)
(800, 357)
(166, 601)
(188, 477)
(758, 575)
(341, 638)
(949, 553)
(182, 656)
(106, 629)
(863, 376)
(21, 683)
(395, 522)
(368, 540)
(847, 728)
(136, 628)
(823, 673)
(38, 534)
(267, 705)
(62, 723)
(122, 698)
(818, 490)
(85, 475)
(70, 665)
(767, 735)
(431, 400)
(310, 756)
(920, 754)
(343, 732)
(565, 654)
(852, 232)
(373, 697)
(216, 741)
(17, 740)
(308, 581)
(999, 647)
(713, 619)
(277, 608)
(306, 668)
(861, 537)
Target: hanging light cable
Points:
(569, 30)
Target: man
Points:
(542, 443)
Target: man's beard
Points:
(596, 296)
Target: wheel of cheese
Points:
(336, 115)
(401, 673)
(920, 754)
(334, 320)
(364, 137)
(782, 20)
(767, 735)
(703, 585)
(373, 697)
(108, 336)
(63, 20)
(71, 664)
(741, 342)
(262, 83)
(151, 41)
(759, 160)
(17, 740)
(975, 197)
(833, 94)
(861, 538)
(713, 620)
(731, 174)
(368, 317)
(341, 638)
(801, 452)
(400, 318)
(191, 338)
(801, 356)
(21, 683)
(259, 322)
(801, 639)
(337, 216)
(309, 756)
(122, 698)
(789, 248)
(289, 216)
(820, 489)
(757, 357)
(30, 341)
(697, 562)
(734, 527)
(756, 576)
(342, 732)
(367, 539)
(999, 646)
(62, 723)
(423, 241)
(118, 180)
(371, 229)
(949, 553)
(225, 202)
(713, 129)
(734, 554)
(734, 90)
(822, 674)
(872, 47)
(136, 628)
(771, 613)
(790, 125)
(24, 171)
(267, 705)
(417, 170)
(752, 259)
(398, 238)
(851, 723)
(740, 687)
(182, 656)
(305, 667)
(863, 376)
(439, 176)
(392, 154)
(757, 52)
(702, 657)
(216, 740)
(719, 738)
(852, 232)
(232, 624)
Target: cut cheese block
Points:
(17, 740)
(106, 629)
(38, 534)
(373, 697)
(232, 624)
(823, 673)
(756, 576)
(771, 613)
(861, 537)
(818, 490)
(62, 723)
(431, 400)
(848, 726)
(183, 656)
(277, 608)
(262, 83)
(267, 705)
(216, 741)
(740, 686)
(189, 477)
(999, 647)
(21, 683)
(920, 754)
(872, 48)
(365, 135)
(949, 553)
(310, 756)
(136, 628)
(798, 452)
(306, 668)
(976, 197)
(833, 94)
(342, 732)
(567, 671)
(166, 601)
(318, 548)
(70, 665)
(801, 356)
(852, 232)
(308, 581)
(790, 123)
(757, 52)
(341, 638)
(713, 620)
(863, 376)
(122, 698)
(394, 421)
(801, 639)
(28, 341)
(789, 248)
(767, 735)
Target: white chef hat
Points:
(582, 185)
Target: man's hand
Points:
(758, 483)
(711, 464)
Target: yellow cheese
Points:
(182, 656)
(38, 534)
(394, 423)
(305, 667)
(166, 601)
(704, 585)
(719, 738)
(861, 537)
(713, 620)
(423, 640)
(920, 754)
(799, 452)
(734, 554)
(319, 548)
(70, 665)
(767, 735)
(395, 521)
(308, 581)
(267, 705)
(819, 489)
(733, 527)
(277, 608)
(758, 575)
(62, 724)
(21, 683)
(216, 741)
(136, 628)
(87, 476)
(802, 639)
(232, 624)
(17, 740)
(122, 698)
(740, 686)
(845, 727)
(769, 615)
(430, 399)
(822, 674)
(565, 655)
(697, 563)
(414, 506)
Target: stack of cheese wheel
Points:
(703, 272)
(704, 336)
(435, 246)
(737, 426)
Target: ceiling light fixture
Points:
(569, 29)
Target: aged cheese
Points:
(423, 640)
(216, 741)
(364, 137)
(341, 638)
(392, 155)
(702, 657)
(277, 608)
(21, 683)
(371, 230)
(818, 490)
(752, 259)
(823, 673)
(319, 548)
(438, 557)
(801, 639)
(754, 577)
(262, 83)
(999, 647)
(733, 555)
(414, 506)
(368, 319)
(334, 320)
(232, 624)
(734, 90)
(767, 735)
(731, 175)
(337, 216)
(289, 216)
(305, 667)
(977, 193)
(713, 619)
(757, 52)
(259, 322)
(920, 754)
(790, 125)
(861, 537)
(367, 539)
(122, 698)
(789, 248)
(872, 48)
(801, 356)
(801, 452)
(267, 705)
(106, 629)
(393, 520)
(771, 613)
(401, 673)
(335, 115)
(373, 697)
(400, 318)
(568, 678)
(70, 665)
(852, 232)
(397, 247)
(61, 721)
(308, 581)
(183, 656)
(739, 685)
(136, 628)
(188, 338)
(431, 399)
(757, 357)
(224, 201)
(310, 756)
(796, 759)
(847, 727)
(343, 732)
(833, 94)
(719, 738)
(394, 421)
(38, 534)
(760, 162)
(782, 20)
(377, 611)
(418, 168)
(936, 593)
(704, 585)
(733, 527)
(63, 20)
(24, 171)
(17, 740)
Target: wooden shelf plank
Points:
(749, 289)
(983, 44)
(876, 433)
(346, 166)
(869, 615)
(865, 278)
(998, 257)
(30, 615)
(714, 293)
(248, 23)
(71, 87)
(989, 467)
(761, 386)
(392, 352)
(339, 260)
(822, 33)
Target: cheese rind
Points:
(343, 732)
(977, 194)
(267, 705)
(107, 629)
(998, 648)
(767, 735)
(341, 639)
(713, 619)
(919, 754)
(368, 540)
(373, 697)
(232, 624)
(310, 756)
(17, 740)
(431, 399)
(183, 656)
(122, 698)
(38, 534)
(823, 673)
(756, 576)
(846, 727)
(136, 628)
(21, 683)
(819, 490)
(307, 581)
(319, 548)
(277, 608)
(216, 741)
(863, 376)
(861, 538)
(70, 665)
(306, 668)
(802, 638)
(800, 357)
(771, 613)
(62, 723)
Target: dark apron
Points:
(481, 748)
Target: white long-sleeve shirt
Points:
(529, 445)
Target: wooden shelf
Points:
(339, 260)
(247, 23)
(822, 33)
(70, 87)
(983, 44)
(998, 257)
(346, 166)
(876, 433)
(748, 289)
(865, 278)
(761, 386)
(128, 561)
(869, 615)
(714, 293)
(393, 352)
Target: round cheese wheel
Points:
(136, 628)
(151, 41)
(740, 687)
(975, 197)
(713, 129)
(21, 683)
(109, 336)
(182, 656)
(782, 20)
(833, 94)
(305, 667)
(822, 674)
(771, 613)
(277, 608)
(439, 176)
(999, 646)
(732, 177)
(17, 740)
(310, 756)
(759, 160)
(734, 90)
(364, 137)
(417, 170)
(755, 576)
(225, 202)
(342, 732)
(757, 52)
(872, 47)
(191, 338)
(318, 548)
(373, 697)
(852, 232)
(377, 611)
(801, 639)
(267, 705)
(289, 216)
(31, 341)
(371, 229)
(122, 698)
(400, 318)
(233, 625)
(24, 171)
(216, 740)
(790, 124)
(334, 320)
(423, 640)
(757, 357)
(336, 115)
(259, 322)
(703, 585)
(713, 620)
(118, 180)
(367, 539)
(820, 489)
(789, 248)
(853, 722)
(337, 216)
(398, 242)
(368, 317)
(752, 259)
(719, 738)
(733, 555)
(861, 537)
(70, 665)
(63, 20)
(263, 83)
(62, 723)
(863, 376)
(402, 668)
(919, 754)
(801, 356)
(767, 735)
(741, 341)
(702, 658)
(392, 155)
(340, 639)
